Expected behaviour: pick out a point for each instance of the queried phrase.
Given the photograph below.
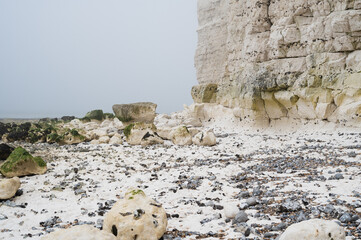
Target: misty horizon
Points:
(66, 58)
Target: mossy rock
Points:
(85, 119)
(54, 138)
(128, 129)
(72, 136)
(22, 163)
(95, 114)
(39, 132)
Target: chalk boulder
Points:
(8, 187)
(135, 112)
(141, 133)
(136, 217)
(205, 139)
(314, 229)
(181, 136)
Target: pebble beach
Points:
(273, 178)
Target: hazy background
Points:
(65, 57)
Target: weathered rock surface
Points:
(116, 139)
(181, 136)
(82, 232)
(277, 59)
(5, 151)
(151, 139)
(314, 229)
(136, 217)
(21, 163)
(8, 187)
(135, 112)
(142, 134)
(205, 139)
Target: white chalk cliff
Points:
(272, 59)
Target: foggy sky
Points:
(65, 57)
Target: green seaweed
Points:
(135, 192)
(54, 137)
(74, 132)
(128, 130)
(20, 155)
(95, 114)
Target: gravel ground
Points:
(271, 179)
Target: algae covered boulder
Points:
(136, 217)
(21, 163)
(19, 132)
(135, 112)
(72, 136)
(95, 114)
(5, 151)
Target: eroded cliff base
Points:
(281, 59)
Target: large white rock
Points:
(8, 187)
(151, 139)
(98, 133)
(164, 132)
(135, 112)
(81, 232)
(181, 136)
(104, 139)
(136, 217)
(314, 229)
(118, 124)
(106, 123)
(75, 123)
(138, 133)
(116, 139)
(205, 138)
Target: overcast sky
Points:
(65, 57)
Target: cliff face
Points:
(271, 59)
